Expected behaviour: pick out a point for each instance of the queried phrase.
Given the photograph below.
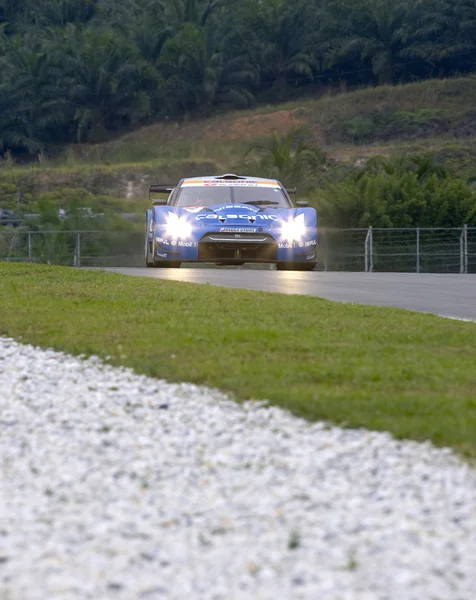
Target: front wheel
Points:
(148, 263)
(167, 264)
(295, 266)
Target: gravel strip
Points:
(119, 486)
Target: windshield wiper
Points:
(257, 202)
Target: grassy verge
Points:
(360, 120)
(385, 369)
(121, 181)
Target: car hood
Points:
(237, 214)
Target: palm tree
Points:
(11, 11)
(198, 12)
(400, 163)
(426, 166)
(191, 67)
(447, 34)
(34, 108)
(377, 31)
(143, 22)
(287, 158)
(282, 38)
(108, 80)
(57, 13)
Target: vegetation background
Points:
(367, 105)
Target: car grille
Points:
(237, 247)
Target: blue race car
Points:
(230, 220)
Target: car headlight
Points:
(294, 229)
(177, 227)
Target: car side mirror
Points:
(302, 203)
(159, 201)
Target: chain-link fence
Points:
(417, 250)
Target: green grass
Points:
(126, 183)
(385, 369)
(412, 112)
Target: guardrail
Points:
(418, 250)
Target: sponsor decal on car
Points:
(236, 216)
(238, 229)
(297, 244)
(230, 182)
(182, 243)
(235, 207)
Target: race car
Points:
(229, 220)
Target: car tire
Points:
(296, 266)
(167, 264)
(148, 263)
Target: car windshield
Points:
(199, 195)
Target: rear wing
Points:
(160, 189)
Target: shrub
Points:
(359, 129)
(396, 200)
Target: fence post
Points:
(418, 250)
(463, 250)
(371, 250)
(29, 246)
(78, 250)
(465, 241)
(366, 251)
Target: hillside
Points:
(83, 70)
(435, 116)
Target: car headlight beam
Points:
(294, 230)
(178, 227)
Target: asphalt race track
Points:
(445, 295)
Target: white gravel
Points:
(119, 486)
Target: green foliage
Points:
(288, 158)
(374, 31)
(404, 191)
(8, 196)
(359, 129)
(77, 70)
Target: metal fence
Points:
(73, 248)
(417, 250)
